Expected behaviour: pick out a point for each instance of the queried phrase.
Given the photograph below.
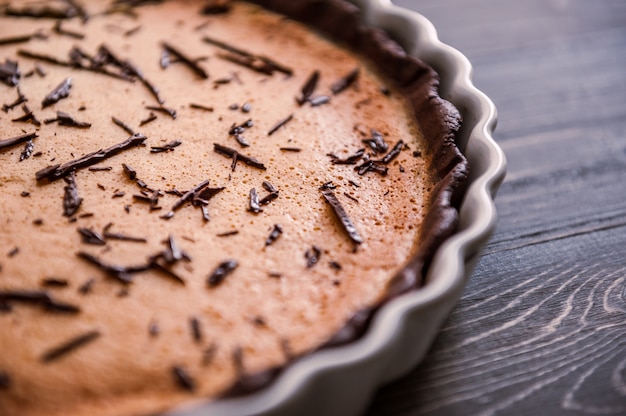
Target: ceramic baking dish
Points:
(341, 380)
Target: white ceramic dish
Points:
(340, 381)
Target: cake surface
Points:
(249, 188)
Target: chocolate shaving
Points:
(61, 91)
(377, 142)
(183, 379)
(268, 198)
(28, 150)
(54, 282)
(60, 31)
(52, 173)
(196, 330)
(165, 110)
(192, 64)
(10, 73)
(65, 119)
(371, 166)
(236, 156)
(280, 124)
(187, 197)
(165, 61)
(21, 98)
(120, 273)
(71, 200)
(319, 100)
(228, 233)
(129, 171)
(86, 287)
(308, 88)
(201, 107)
(347, 195)
(156, 93)
(258, 63)
(290, 149)
(100, 168)
(147, 120)
(11, 40)
(28, 117)
(44, 11)
(393, 153)
(17, 140)
(37, 297)
(169, 147)
(70, 346)
(121, 237)
(213, 9)
(254, 202)
(91, 237)
(276, 232)
(342, 216)
(312, 256)
(123, 125)
(221, 272)
(350, 160)
(345, 82)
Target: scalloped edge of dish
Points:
(341, 380)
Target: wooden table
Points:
(541, 328)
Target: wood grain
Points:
(541, 327)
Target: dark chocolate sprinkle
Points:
(129, 171)
(54, 282)
(17, 140)
(156, 93)
(393, 153)
(168, 147)
(290, 149)
(60, 31)
(319, 100)
(276, 232)
(221, 272)
(165, 110)
(147, 120)
(52, 173)
(201, 107)
(12, 40)
(91, 237)
(269, 187)
(21, 98)
(235, 155)
(192, 64)
(246, 108)
(342, 216)
(123, 237)
(65, 119)
(268, 198)
(196, 330)
(280, 124)
(28, 150)
(100, 169)
(333, 264)
(254, 202)
(308, 88)
(187, 197)
(183, 379)
(228, 233)
(70, 346)
(25, 194)
(345, 82)
(28, 117)
(347, 195)
(123, 125)
(371, 166)
(312, 256)
(46, 11)
(351, 182)
(153, 329)
(377, 142)
(120, 273)
(71, 200)
(86, 287)
(10, 73)
(350, 160)
(60, 92)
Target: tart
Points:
(198, 194)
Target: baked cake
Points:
(195, 194)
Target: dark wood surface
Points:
(541, 327)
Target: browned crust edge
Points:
(439, 120)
